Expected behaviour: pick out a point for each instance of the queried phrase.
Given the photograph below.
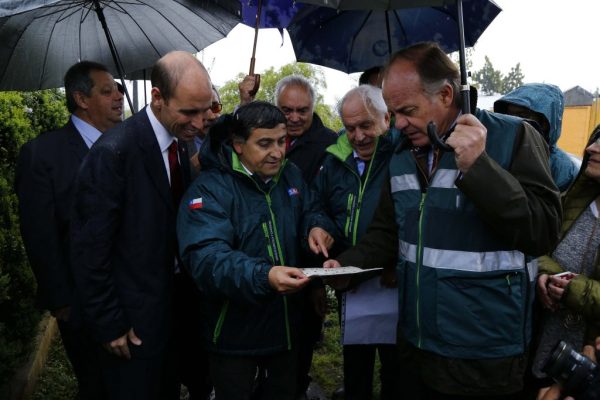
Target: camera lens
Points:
(573, 371)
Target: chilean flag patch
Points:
(195, 203)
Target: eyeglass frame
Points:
(216, 107)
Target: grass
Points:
(57, 381)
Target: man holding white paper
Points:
(349, 183)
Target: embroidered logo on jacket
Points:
(293, 191)
(195, 203)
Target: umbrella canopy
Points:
(273, 14)
(40, 40)
(355, 40)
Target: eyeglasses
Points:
(216, 107)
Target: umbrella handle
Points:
(256, 26)
(435, 140)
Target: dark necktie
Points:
(176, 176)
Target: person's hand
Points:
(542, 291)
(336, 282)
(468, 141)
(590, 351)
(318, 298)
(62, 314)
(248, 88)
(331, 263)
(287, 279)
(319, 241)
(120, 348)
(551, 393)
(195, 162)
(556, 287)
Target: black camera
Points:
(578, 376)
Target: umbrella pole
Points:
(113, 51)
(464, 86)
(389, 38)
(253, 59)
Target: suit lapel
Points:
(152, 156)
(76, 143)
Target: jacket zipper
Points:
(280, 260)
(220, 322)
(353, 207)
(419, 263)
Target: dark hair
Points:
(78, 79)
(257, 114)
(593, 137)
(365, 77)
(434, 67)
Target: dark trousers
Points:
(359, 363)
(190, 359)
(272, 377)
(136, 379)
(309, 333)
(83, 353)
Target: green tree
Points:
(488, 79)
(22, 117)
(513, 80)
(268, 80)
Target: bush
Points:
(22, 117)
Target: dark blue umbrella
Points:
(267, 14)
(355, 40)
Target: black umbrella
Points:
(41, 39)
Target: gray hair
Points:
(370, 95)
(294, 80)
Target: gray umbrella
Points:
(41, 39)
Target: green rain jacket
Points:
(232, 228)
(582, 294)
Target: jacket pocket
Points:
(483, 309)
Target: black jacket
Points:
(309, 149)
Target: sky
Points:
(555, 41)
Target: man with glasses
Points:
(45, 177)
(211, 117)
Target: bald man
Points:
(123, 237)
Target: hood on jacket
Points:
(547, 100)
(541, 98)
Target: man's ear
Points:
(81, 100)
(156, 97)
(237, 144)
(447, 95)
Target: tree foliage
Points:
(513, 80)
(22, 117)
(491, 81)
(268, 80)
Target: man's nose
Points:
(401, 122)
(197, 120)
(294, 116)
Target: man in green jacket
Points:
(241, 222)
(460, 228)
(349, 183)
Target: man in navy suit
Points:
(123, 238)
(45, 175)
